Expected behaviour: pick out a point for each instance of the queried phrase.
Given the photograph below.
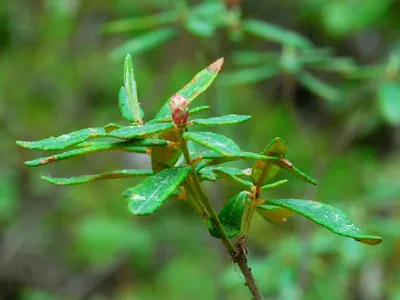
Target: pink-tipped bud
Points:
(179, 109)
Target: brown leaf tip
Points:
(216, 66)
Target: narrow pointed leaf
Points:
(150, 194)
(130, 146)
(224, 120)
(65, 140)
(111, 127)
(200, 82)
(140, 131)
(130, 102)
(124, 105)
(389, 102)
(218, 158)
(229, 176)
(230, 170)
(274, 214)
(274, 184)
(102, 176)
(264, 171)
(287, 165)
(231, 216)
(214, 141)
(192, 112)
(318, 87)
(326, 216)
(165, 157)
(144, 42)
(248, 75)
(275, 33)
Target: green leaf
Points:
(199, 83)
(214, 141)
(223, 120)
(102, 176)
(326, 216)
(275, 33)
(248, 75)
(144, 42)
(150, 194)
(129, 105)
(166, 157)
(274, 184)
(136, 146)
(274, 214)
(111, 127)
(288, 166)
(65, 140)
(192, 112)
(231, 177)
(231, 170)
(199, 27)
(140, 131)
(218, 158)
(252, 58)
(389, 102)
(231, 216)
(146, 22)
(318, 87)
(264, 171)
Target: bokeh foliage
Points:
(329, 86)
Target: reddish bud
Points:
(179, 109)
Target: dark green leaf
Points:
(274, 214)
(287, 165)
(200, 82)
(102, 176)
(318, 87)
(229, 176)
(65, 140)
(217, 158)
(275, 33)
(248, 75)
(147, 22)
(231, 216)
(389, 102)
(326, 216)
(144, 42)
(150, 194)
(140, 131)
(223, 120)
(214, 141)
(136, 146)
(264, 171)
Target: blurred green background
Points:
(326, 80)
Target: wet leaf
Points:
(223, 120)
(144, 42)
(150, 194)
(200, 82)
(128, 98)
(264, 171)
(214, 141)
(274, 214)
(101, 176)
(326, 216)
(65, 140)
(275, 33)
(136, 146)
(389, 102)
(288, 166)
(140, 131)
(231, 216)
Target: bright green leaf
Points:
(274, 184)
(140, 131)
(111, 127)
(223, 120)
(266, 170)
(65, 140)
(389, 102)
(288, 166)
(214, 141)
(231, 216)
(199, 27)
(192, 112)
(129, 105)
(274, 214)
(275, 33)
(326, 216)
(151, 193)
(231, 177)
(144, 42)
(102, 176)
(199, 83)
